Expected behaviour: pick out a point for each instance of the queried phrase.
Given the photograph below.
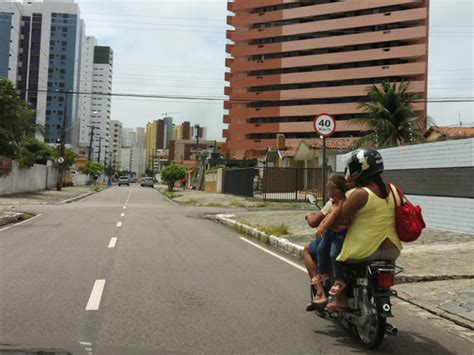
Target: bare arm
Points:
(330, 219)
(314, 219)
(354, 202)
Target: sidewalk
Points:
(205, 199)
(45, 197)
(438, 268)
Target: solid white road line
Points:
(119, 224)
(122, 215)
(96, 294)
(112, 243)
(299, 267)
(17, 224)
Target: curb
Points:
(80, 197)
(435, 310)
(276, 242)
(4, 220)
(166, 197)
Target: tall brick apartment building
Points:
(290, 60)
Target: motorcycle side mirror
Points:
(312, 200)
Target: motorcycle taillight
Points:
(385, 280)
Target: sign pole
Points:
(324, 170)
(325, 125)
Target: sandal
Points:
(320, 297)
(337, 288)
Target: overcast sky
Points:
(178, 48)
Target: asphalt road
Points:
(172, 281)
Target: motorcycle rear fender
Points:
(384, 307)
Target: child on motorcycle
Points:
(331, 242)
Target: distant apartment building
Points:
(115, 144)
(290, 60)
(185, 150)
(133, 152)
(101, 104)
(41, 44)
(151, 136)
(45, 53)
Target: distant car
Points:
(124, 180)
(147, 182)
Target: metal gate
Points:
(240, 181)
(292, 184)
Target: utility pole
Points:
(89, 156)
(100, 144)
(62, 148)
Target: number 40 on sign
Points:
(325, 125)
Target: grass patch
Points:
(237, 204)
(275, 229)
(191, 202)
(25, 216)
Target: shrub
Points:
(173, 173)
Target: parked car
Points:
(147, 182)
(124, 180)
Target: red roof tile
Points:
(452, 132)
(332, 143)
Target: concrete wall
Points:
(38, 177)
(452, 213)
(214, 181)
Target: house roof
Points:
(289, 152)
(332, 143)
(452, 132)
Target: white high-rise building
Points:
(115, 144)
(101, 99)
(134, 150)
(85, 100)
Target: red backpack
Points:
(408, 217)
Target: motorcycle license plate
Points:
(362, 281)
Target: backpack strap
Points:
(399, 194)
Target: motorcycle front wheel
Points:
(373, 331)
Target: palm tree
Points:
(390, 115)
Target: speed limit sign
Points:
(325, 125)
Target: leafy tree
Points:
(391, 116)
(92, 168)
(173, 173)
(15, 115)
(32, 151)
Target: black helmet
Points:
(364, 162)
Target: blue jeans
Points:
(313, 249)
(328, 250)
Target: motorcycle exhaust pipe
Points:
(391, 330)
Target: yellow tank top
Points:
(372, 224)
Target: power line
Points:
(215, 98)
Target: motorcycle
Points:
(369, 292)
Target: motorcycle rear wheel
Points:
(372, 333)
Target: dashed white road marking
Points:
(119, 224)
(124, 207)
(96, 294)
(122, 215)
(299, 267)
(85, 343)
(17, 224)
(112, 243)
